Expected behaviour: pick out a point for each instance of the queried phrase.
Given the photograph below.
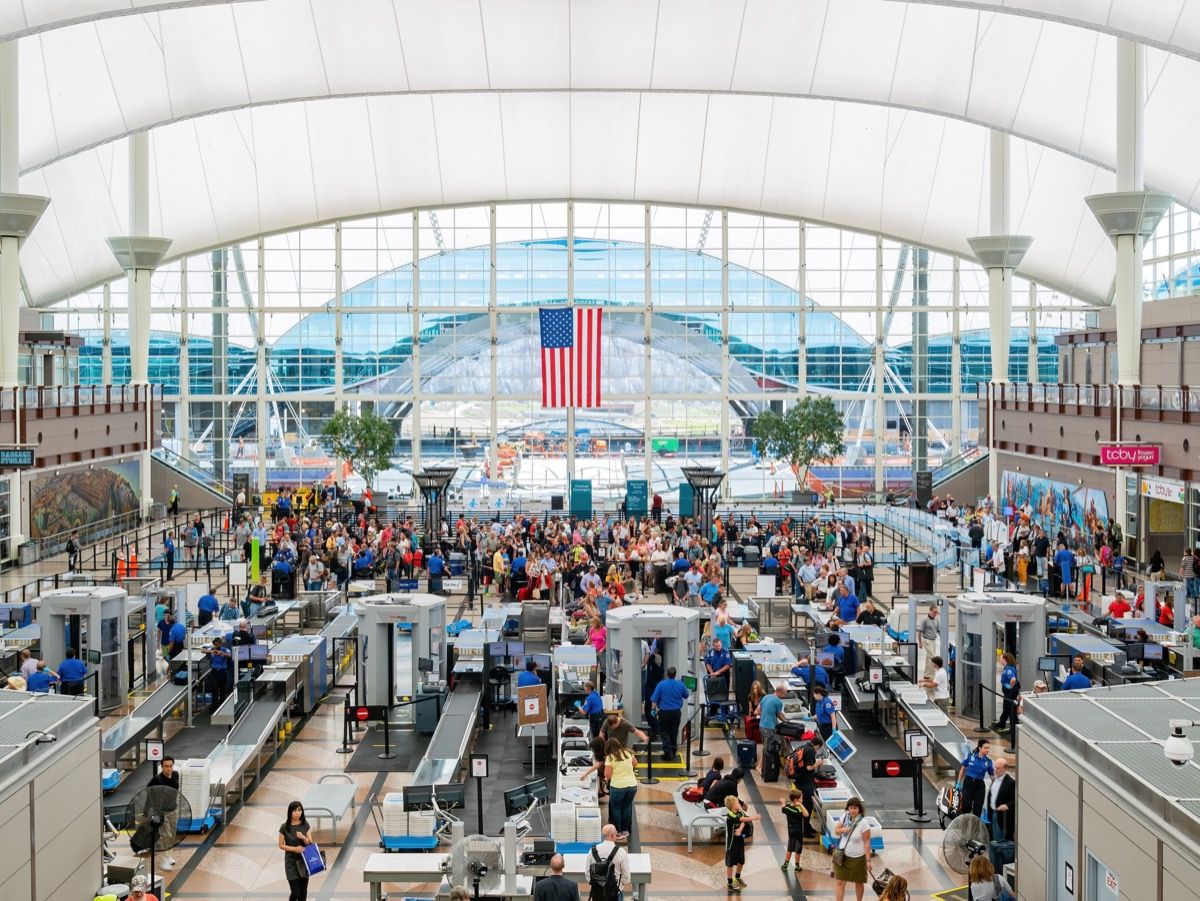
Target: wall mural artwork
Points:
(1055, 506)
(82, 497)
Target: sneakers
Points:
(622, 836)
(739, 882)
(167, 863)
(783, 866)
(797, 868)
(733, 887)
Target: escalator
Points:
(198, 487)
(963, 476)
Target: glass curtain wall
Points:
(429, 318)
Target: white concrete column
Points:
(262, 423)
(956, 385)
(1032, 355)
(19, 213)
(339, 287)
(106, 325)
(879, 425)
(493, 440)
(724, 420)
(802, 349)
(570, 303)
(183, 412)
(647, 361)
(1131, 213)
(415, 360)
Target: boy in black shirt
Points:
(797, 820)
(736, 823)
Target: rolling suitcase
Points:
(747, 754)
(771, 765)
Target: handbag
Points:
(1003, 892)
(879, 882)
(314, 860)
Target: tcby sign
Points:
(1130, 454)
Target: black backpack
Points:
(602, 876)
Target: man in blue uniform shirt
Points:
(825, 712)
(72, 672)
(208, 605)
(530, 676)
(176, 636)
(41, 680)
(437, 568)
(1076, 680)
(219, 659)
(668, 699)
(593, 708)
(718, 663)
(805, 670)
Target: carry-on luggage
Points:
(747, 754)
(949, 800)
(753, 732)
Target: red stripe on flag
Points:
(599, 352)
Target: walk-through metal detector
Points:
(677, 632)
(94, 621)
(988, 623)
(918, 607)
(402, 649)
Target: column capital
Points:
(138, 252)
(1000, 251)
(1129, 212)
(19, 213)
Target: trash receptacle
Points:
(458, 563)
(27, 553)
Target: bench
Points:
(693, 815)
(331, 799)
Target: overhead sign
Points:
(1163, 490)
(1130, 454)
(899, 768)
(16, 457)
(581, 497)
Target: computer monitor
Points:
(258, 653)
(497, 650)
(543, 661)
(826, 660)
(538, 790)
(452, 796)
(1046, 665)
(1152, 650)
(689, 682)
(516, 800)
(1135, 650)
(516, 648)
(243, 652)
(418, 797)
(840, 746)
(259, 630)
(424, 665)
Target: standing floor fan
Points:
(152, 818)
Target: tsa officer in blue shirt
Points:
(1010, 688)
(209, 605)
(176, 636)
(825, 711)
(593, 709)
(974, 767)
(668, 699)
(41, 680)
(530, 676)
(220, 660)
(719, 663)
(72, 672)
(1077, 679)
(818, 674)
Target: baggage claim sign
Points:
(16, 456)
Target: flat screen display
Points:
(841, 747)
(1152, 650)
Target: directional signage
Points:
(154, 749)
(406, 584)
(366, 712)
(16, 457)
(581, 497)
(637, 497)
(898, 768)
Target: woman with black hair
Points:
(294, 835)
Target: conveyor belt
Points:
(258, 719)
(947, 740)
(450, 740)
(141, 722)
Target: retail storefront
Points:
(1158, 515)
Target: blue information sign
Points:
(637, 500)
(685, 499)
(581, 497)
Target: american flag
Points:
(570, 356)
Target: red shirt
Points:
(1166, 615)
(1119, 608)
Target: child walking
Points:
(797, 819)
(735, 842)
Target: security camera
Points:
(1178, 747)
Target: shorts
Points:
(795, 844)
(735, 854)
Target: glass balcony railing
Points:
(1130, 398)
(76, 396)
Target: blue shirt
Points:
(824, 711)
(669, 694)
(770, 564)
(1008, 678)
(592, 704)
(848, 608)
(723, 633)
(72, 670)
(219, 661)
(1065, 561)
(177, 635)
(709, 592)
(718, 659)
(209, 603)
(528, 678)
(976, 766)
(820, 676)
(437, 565)
(1076, 681)
(838, 652)
(169, 548)
(768, 711)
(680, 564)
(40, 682)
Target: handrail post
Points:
(982, 730)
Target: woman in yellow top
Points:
(619, 764)
(499, 572)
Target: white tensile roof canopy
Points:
(870, 114)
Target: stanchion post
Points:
(982, 729)
(701, 753)
(387, 738)
(649, 780)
